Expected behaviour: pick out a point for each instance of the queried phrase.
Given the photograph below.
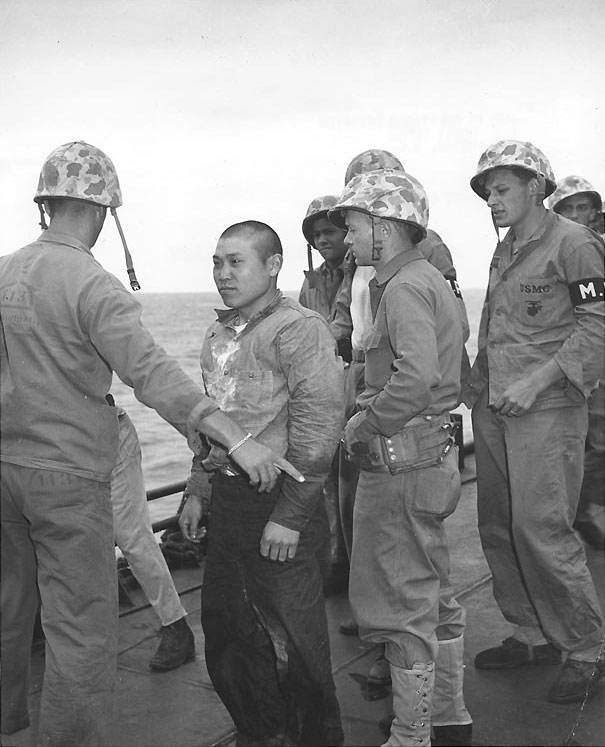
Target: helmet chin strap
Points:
(43, 224)
(376, 240)
(497, 230)
(134, 283)
(541, 193)
(310, 257)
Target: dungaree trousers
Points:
(267, 644)
(132, 528)
(57, 535)
(529, 475)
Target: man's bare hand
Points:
(262, 465)
(190, 519)
(278, 542)
(519, 397)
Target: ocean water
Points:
(178, 321)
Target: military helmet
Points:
(507, 153)
(372, 160)
(317, 209)
(82, 172)
(573, 185)
(386, 193)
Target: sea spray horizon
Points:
(177, 322)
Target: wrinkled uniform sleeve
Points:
(341, 325)
(581, 356)
(315, 415)
(437, 253)
(113, 321)
(412, 336)
(478, 376)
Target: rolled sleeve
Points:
(113, 321)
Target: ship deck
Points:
(181, 709)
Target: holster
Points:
(423, 442)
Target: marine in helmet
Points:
(353, 318)
(576, 199)
(322, 284)
(402, 439)
(66, 326)
(540, 355)
(318, 292)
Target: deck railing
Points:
(163, 492)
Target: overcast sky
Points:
(216, 111)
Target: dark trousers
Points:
(267, 646)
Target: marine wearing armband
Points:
(540, 357)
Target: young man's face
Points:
(329, 241)
(244, 279)
(508, 197)
(578, 208)
(359, 236)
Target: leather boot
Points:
(412, 694)
(452, 723)
(176, 647)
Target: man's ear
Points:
(385, 228)
(275, 264)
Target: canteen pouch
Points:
(417, 446)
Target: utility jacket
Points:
(281, 380)
(414, 350)
(433, 249)
(66, 325)
(544, 302)
(319, 290)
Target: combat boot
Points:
(412, 694)
(513, 653)
(452, 723)
(380, 671)
(177, 646)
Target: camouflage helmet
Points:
(372, 160)
(317, 209)
(386, 193)
(573, 185)
(507, 153)
(82, 172)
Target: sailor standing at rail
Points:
(66, 326)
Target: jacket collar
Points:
(393, 266)
(542, 227)
(228, 316)
(56, 237)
